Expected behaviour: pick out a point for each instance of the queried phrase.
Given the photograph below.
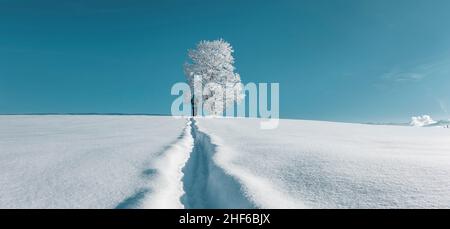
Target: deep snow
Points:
(81, 161)
(163, 162)
(206, 184)
(311, 164)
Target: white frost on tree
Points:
(210, 74)
(423, 120)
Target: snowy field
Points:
(80, 161)
(162, 162)
(311, 164)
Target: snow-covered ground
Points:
(315, 164)
(81, 161)
(163, 162)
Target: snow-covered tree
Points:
(210, 74)
(423, 120)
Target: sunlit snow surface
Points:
(57, 161)
(335, 165)
(80, 161)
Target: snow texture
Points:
(311, 164)
(167, 186)
(81, 161)
(163, 162)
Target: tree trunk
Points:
(192, 106)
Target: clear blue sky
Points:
(350, 60)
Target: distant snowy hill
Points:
(164, 162)
(440, 123)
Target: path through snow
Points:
(207, 184)
(161, 162)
